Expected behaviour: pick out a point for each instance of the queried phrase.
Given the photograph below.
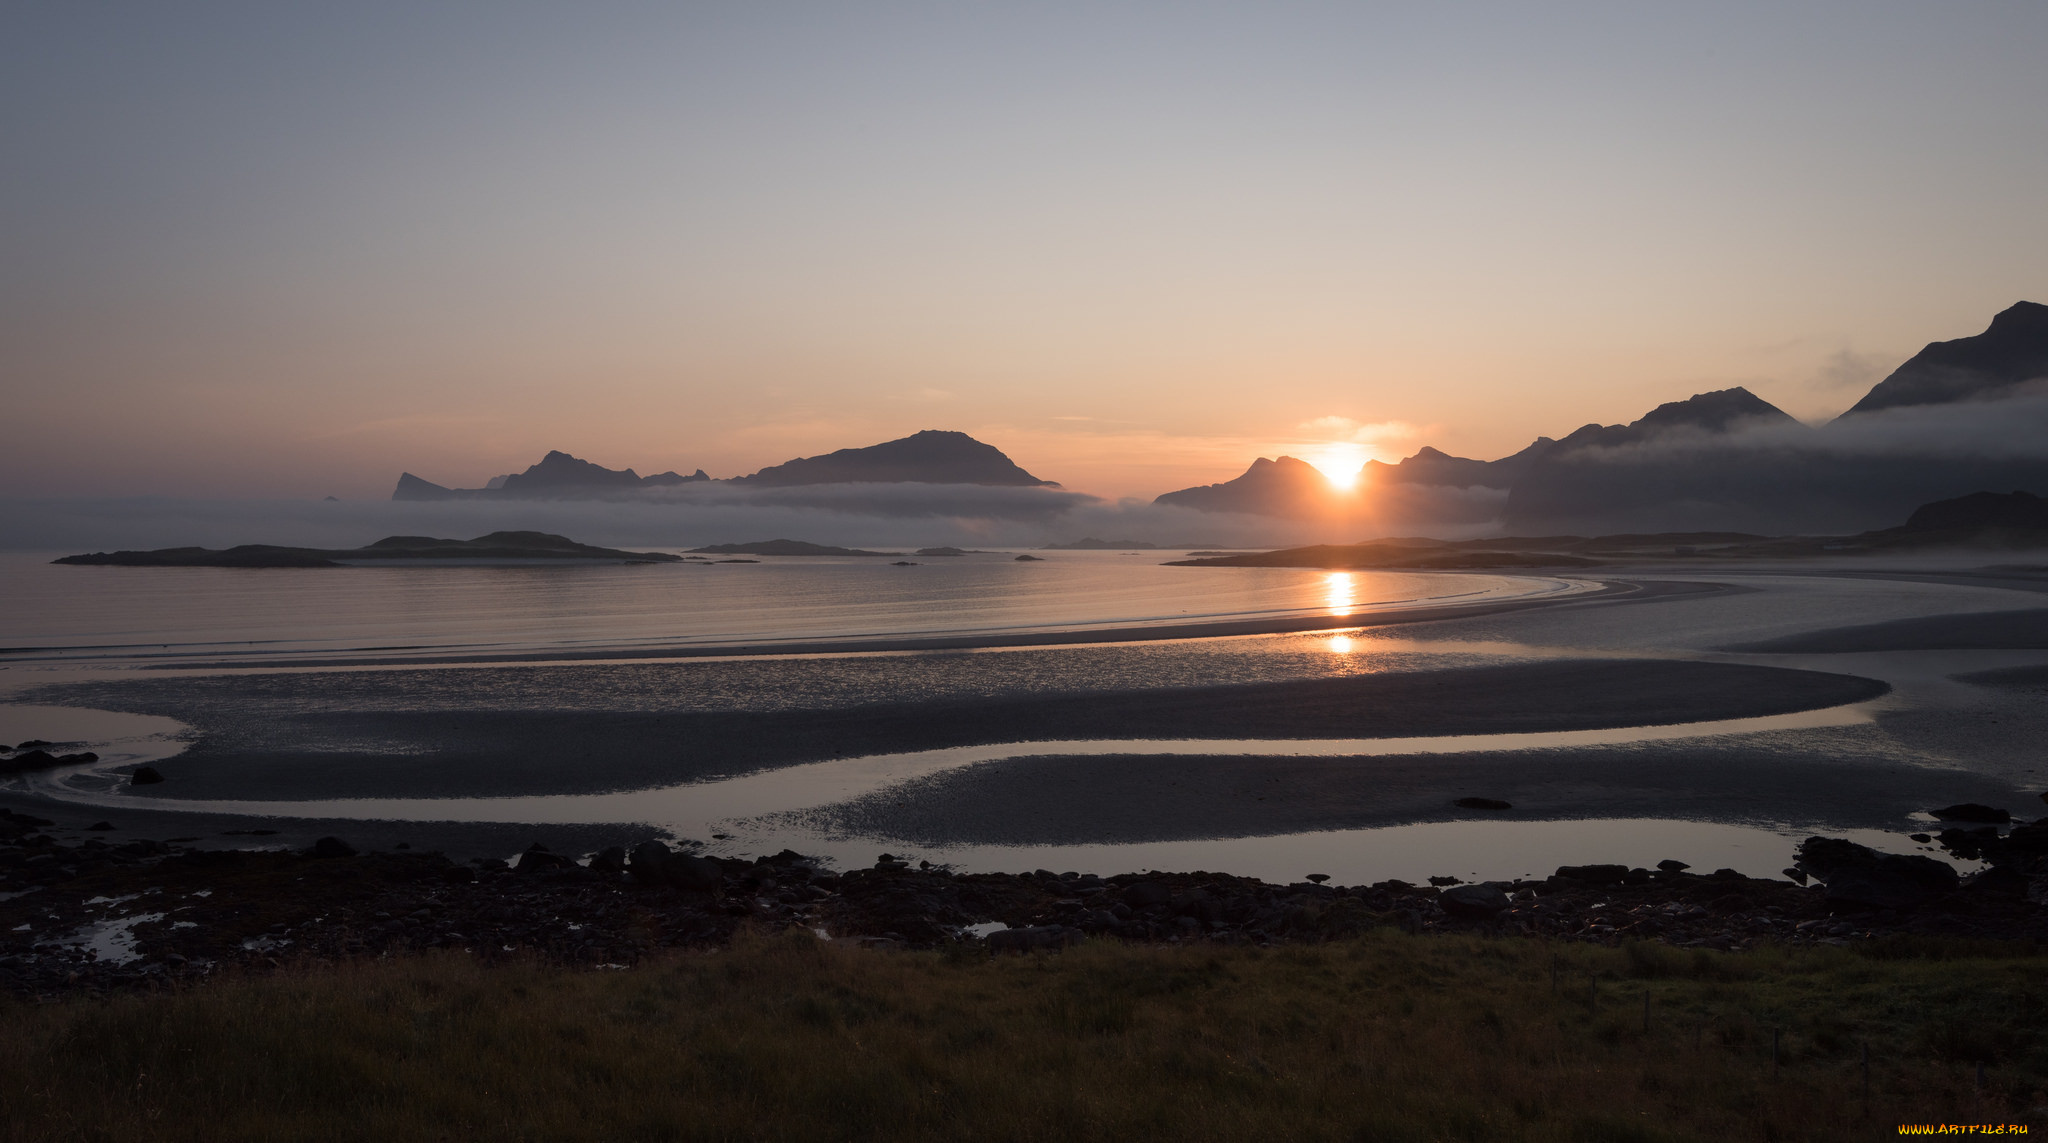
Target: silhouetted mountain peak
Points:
(933, 456)
(1280, 487)
(1717, 411)
(1980, 511)
(2010, 352)
(559, 470)
(411, 487)
(558, 475)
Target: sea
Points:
(52, 613)
(62, 623)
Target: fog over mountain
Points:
(1996, 363)
(1960, 416)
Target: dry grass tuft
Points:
(1387, 1037)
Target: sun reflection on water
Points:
(1340, 592)
(1340, 644)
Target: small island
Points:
(494, 548)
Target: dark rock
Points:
(145, 776)
(330, 847)
(79, 759)
(2002, 880)
(2026, 841)
(1970, 844)
(1029, 559)
(458, 874)
(1146, 894)
(39, 744)
(1922, 838)
(648, 863)
(1858, 875)
(1594, 874)
(611, 859)
(1474, 901)
(1318, 878)
(1971, 812)
(537, 857)
(1670, 866)
(32, 760)
(100, 827)
(652, 863)
(700, 874)
(1199, 905)
(1798, 875)
(1482, 804)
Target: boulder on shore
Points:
(653, 863)
(1475, 902)
(1858, 875)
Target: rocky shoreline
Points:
(95, 916)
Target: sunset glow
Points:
(1342, 462)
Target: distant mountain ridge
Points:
(495, 547)
(932, 456)
(2012, 351)
(1294, 488)
(1281, 487)
(929, 457)
(1726, 459)
(557, 476)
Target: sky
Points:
(275, 250)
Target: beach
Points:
(1642, 697)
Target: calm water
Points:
(60, 613)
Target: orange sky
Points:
(271, 253)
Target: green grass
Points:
(1387, 1037)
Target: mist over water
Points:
(902, 516)
(67, 613)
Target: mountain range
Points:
(1729, 459)
(929, 457)
(1958, 416)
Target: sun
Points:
(1341, 462)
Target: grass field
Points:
(1386, 1037)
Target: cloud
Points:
(1361, 432)
(1847, 369)
(1854, 474)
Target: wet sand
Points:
(466, 753)
(1801, 780)
(1980, 631)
